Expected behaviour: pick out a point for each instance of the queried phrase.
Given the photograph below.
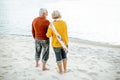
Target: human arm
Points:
(33, 31)
(49, 32)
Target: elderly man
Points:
(39, 29)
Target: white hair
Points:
(42, 11)
(56, 14)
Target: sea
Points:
(93, 20)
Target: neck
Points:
(42, 16)
(56, 19)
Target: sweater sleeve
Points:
(49, 32)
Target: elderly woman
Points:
(61, 28)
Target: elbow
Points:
(48, 35)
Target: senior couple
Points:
(42, 31)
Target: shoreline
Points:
(95, 43)
(102, 44)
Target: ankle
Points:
(44, 69)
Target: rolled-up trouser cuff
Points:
(61, 60)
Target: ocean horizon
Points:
(94, 20)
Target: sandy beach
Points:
(85, 61)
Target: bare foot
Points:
(45, 69)
(37, 65)
(65, 71)
(60, 72)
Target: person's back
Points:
(40, 25)
(61, 28)
(39, 29)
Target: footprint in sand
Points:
(117, 79)
(15, 58)
(118, 75)
(84, 79)
(4, 73)
(110, 51)
(81, 70)
(28, 59)
(54, 77)
(69, 70)
(4, 55)
(5, 67)
(92, 74)
(1, 77)
(118, 72)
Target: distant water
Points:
(95, 20)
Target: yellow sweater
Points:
(61, 28)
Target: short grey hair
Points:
(42, 11)
(56, 14)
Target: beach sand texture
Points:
(85, 61)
